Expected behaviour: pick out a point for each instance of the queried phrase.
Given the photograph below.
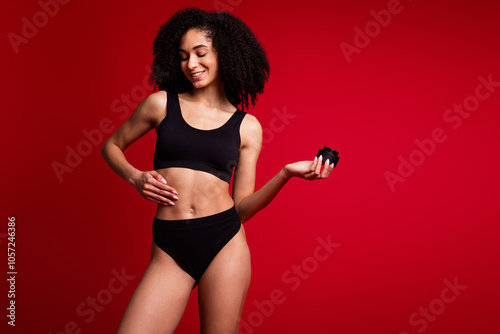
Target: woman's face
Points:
(198, 58)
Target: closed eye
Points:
(199, 56)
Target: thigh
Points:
(160, 298)
(223, 287)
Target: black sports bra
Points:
(214, 151)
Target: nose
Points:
(192, 63)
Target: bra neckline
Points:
(184, 121)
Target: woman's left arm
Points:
(248, 202)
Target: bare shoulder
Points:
(156, 102)
(158, 97)
(145, 117)
(154, 107)
(250, 130)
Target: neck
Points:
(211, 96)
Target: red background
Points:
(396, 247)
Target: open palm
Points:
(310, 169)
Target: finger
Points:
(153, 197)
(169, 195)
(158, 177)
(318, 165)
(329, 170)
(157, 198)
(313, 165)
(161, 189)
(326, 167)
(148, 195)
(160, 182)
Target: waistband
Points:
(217, 218)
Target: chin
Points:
(198, 84)
(201, 84)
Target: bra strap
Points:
(173, 106)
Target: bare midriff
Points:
(200, 194)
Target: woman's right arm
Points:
(150, 184)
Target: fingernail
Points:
(165, 204)
(176, 197)
(331, 165)
(321, 157)
(315, 159)
(171, 203)
(327, 162)
(175, 192)
(164, 181)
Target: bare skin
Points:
(161, 297)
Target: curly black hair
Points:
(242, 62)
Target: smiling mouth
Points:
(197, 74)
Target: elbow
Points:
(104, 149)
(244, 216)
(243, 208)
(240, 212)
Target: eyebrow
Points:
(196, 47)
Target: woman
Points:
(205, 64)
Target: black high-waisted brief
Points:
(194, 243)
